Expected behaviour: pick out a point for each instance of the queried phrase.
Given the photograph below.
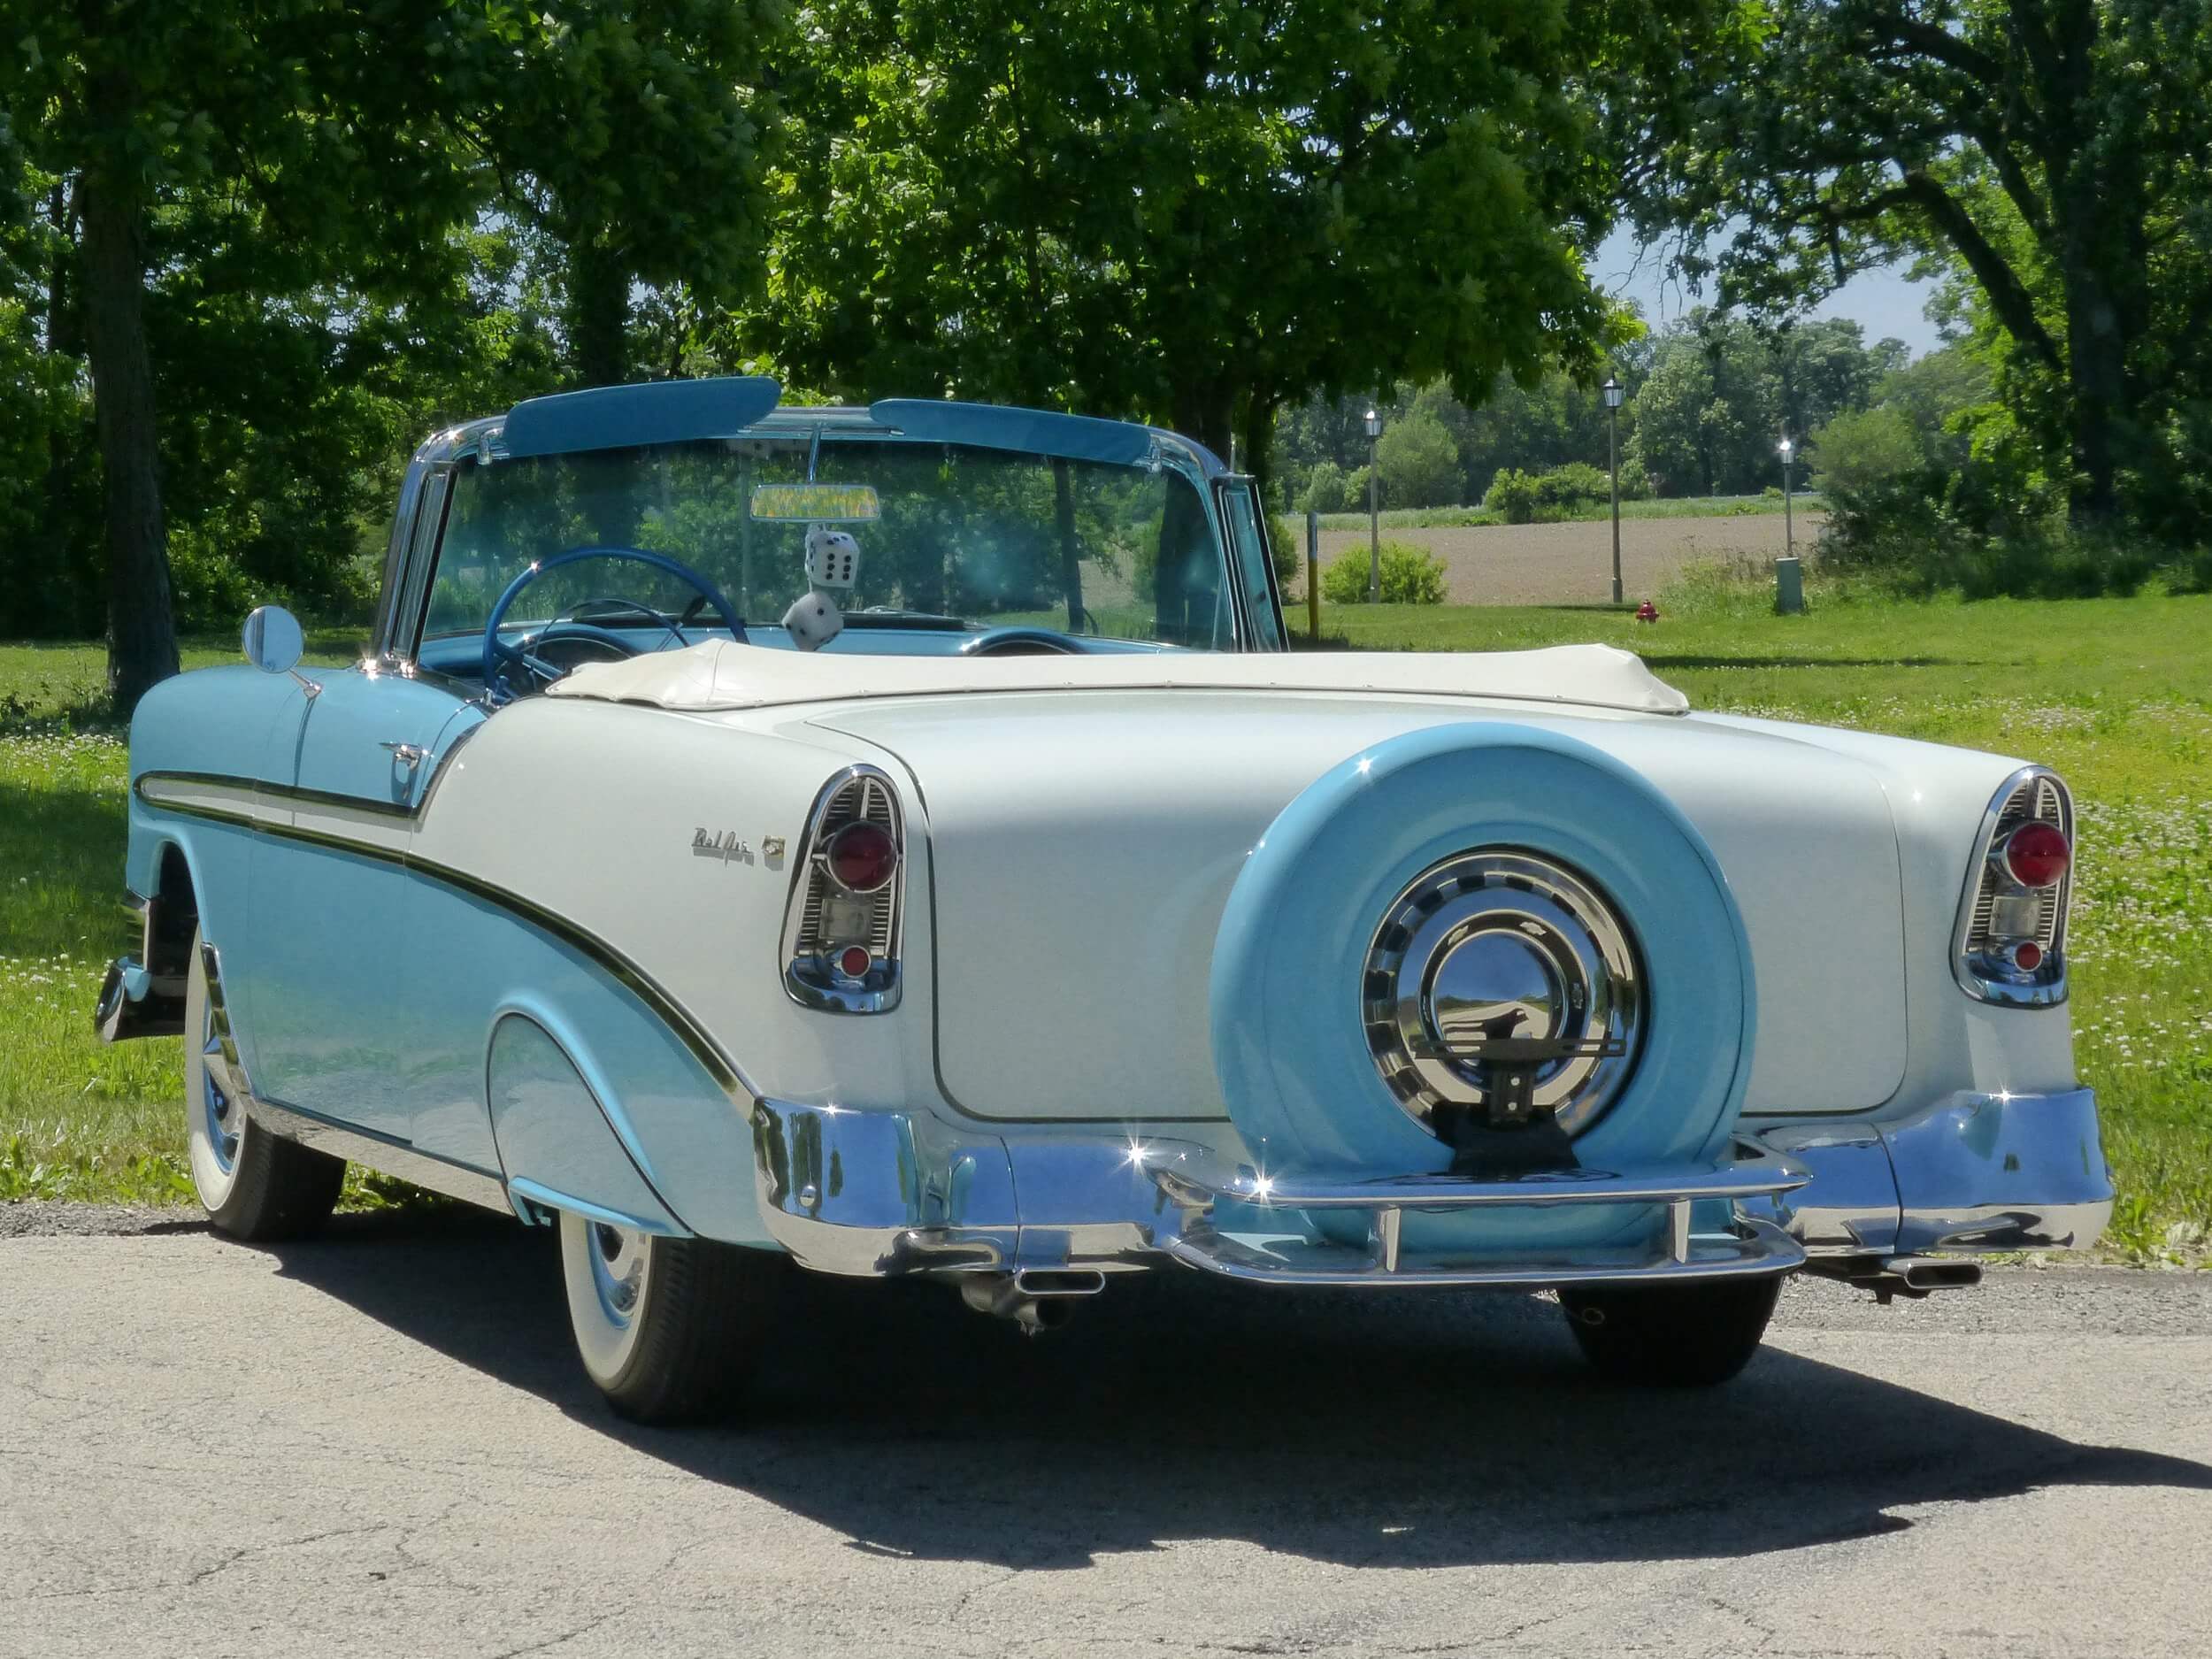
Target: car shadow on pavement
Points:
(1371, 1428)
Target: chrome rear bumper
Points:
(886, 1194)
(1978, 1172)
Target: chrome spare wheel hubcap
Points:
(1502, 985)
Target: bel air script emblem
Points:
(726, 845)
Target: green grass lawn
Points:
(2116, 693)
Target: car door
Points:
(333, 998)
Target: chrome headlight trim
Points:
(2032, 792)
(1493, 942)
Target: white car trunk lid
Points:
(1081, 849)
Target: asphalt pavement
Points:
(379, 1442)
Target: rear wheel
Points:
(253, 1184)
(665, 1327)
(1671, 1336)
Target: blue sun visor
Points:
(625, 416)
(1029, 431)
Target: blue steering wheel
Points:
(496, 650)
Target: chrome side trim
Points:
(530, 1192)
(2045, 986)
(380, 1153)
(679, 1020)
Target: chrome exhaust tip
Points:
(1036, 1299)
(1933, 1272)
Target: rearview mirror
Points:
(273, 640)
(817, 503)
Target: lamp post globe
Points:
(1374, 513)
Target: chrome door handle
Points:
(405, 754)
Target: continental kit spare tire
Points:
(1456, 885)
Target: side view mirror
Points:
(273, 640)
(273, 643)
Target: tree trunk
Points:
(1202, 413)
(598, 313)
(1258, 431)
(142, 626)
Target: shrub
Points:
(1512, 496)
(1865, 449)
(1410, 576)
(1327, 489)
(1288, 536)
(1520, 497)
(1571, 485)
(1419, 463)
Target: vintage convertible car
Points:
(1016, 913)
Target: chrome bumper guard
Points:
(887, 1194)
(133, 1003)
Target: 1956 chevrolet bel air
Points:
(1016, 913)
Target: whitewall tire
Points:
(665, 1327)
(252, 1184)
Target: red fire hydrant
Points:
(1647, 612)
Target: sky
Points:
(1884, 302)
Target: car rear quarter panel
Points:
(589, 811)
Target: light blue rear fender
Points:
(558, 1140)
(644, 1125)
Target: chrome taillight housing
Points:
(841, 924)
(2010, 946)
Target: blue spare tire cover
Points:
(1288, 1042)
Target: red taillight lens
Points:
(2037, 855)
(862, 857)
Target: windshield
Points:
(964, 540)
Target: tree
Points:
(134, 106)
(1706, 418)
(1418, 463)
(1194, 211)
(1862, 449)
(635, 135)
(266, 221)
(2053, 153)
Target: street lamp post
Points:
(1789, 532)
(1614, 393)
(1374, 516)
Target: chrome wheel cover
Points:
(619, 1259)
(607, 1271)
(1500, 943)
(225, 1119)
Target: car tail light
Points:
(2011, 942)
(862, 856)
(2037, 854)
(841, 931)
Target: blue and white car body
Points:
(1308, 969)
